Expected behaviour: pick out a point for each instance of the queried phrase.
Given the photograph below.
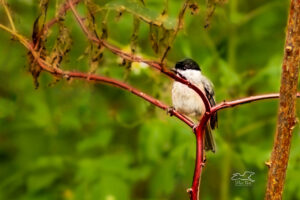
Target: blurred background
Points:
(75, 140)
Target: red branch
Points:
(199, 163)
(243, 101)
(58, 72)
(61, 12)
(133, 90)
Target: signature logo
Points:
(244, 179)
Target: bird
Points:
(186, 101)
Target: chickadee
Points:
(188, 102)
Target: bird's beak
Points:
(177, 73)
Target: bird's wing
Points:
(209, 91)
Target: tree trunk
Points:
(287, 108)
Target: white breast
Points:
(184, 99)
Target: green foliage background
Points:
(78, 140)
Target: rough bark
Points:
(287, 108)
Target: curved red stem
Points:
(228, 104)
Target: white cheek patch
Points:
(194, 76)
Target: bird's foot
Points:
(170, 111)
(195, 128)
(190, 191)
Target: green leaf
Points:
(134, 36)
(38, 26)
(62, 45)
(98, 141)
(37, 182)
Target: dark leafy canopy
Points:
(81, 141)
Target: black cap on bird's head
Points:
(187, 64)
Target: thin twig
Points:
(15, 34)
(83, 27)
(61, 12)
(178, 27)
(8, 15)
(227, 104)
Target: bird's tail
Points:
(209, 139)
